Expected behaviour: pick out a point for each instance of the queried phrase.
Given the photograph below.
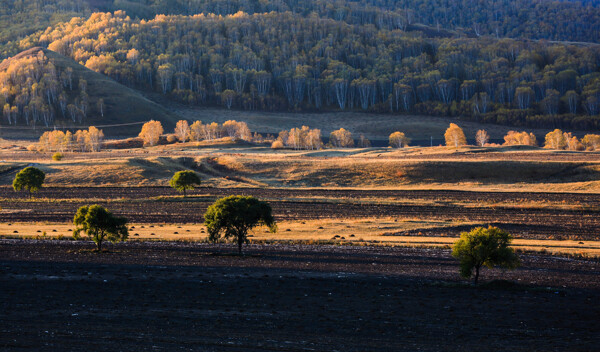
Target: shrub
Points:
(57, 156)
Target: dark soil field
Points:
(524, 214)
(152, 296)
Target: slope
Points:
(71, 93)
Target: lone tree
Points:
(99, 224)
(399, 140)
(484, 247)
(151, 132)
(184, 180)
(455, 137)
(234, 216)
(30, 178)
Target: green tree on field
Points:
(484, 247)
(234, 216)
(99, 224)
(30, 178)
(184, 180)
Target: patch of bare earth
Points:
(57, 295)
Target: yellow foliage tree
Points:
(455, 137)
(182, 130)
(555, 140)
(399, 140)
(520, 138)
(341, 138)
(591, 141)
(151, 132)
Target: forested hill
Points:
(42, 88)
(576, 20)
(280, 61)
(343, 55)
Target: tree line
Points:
(279, 61)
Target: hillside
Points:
(283, 62)
(45, 89)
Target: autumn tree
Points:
(182, 130)
(341, 138)
(455, 136)
(234, 216)
(484, 247)
(151, 132)
(520, 138)
(399, 140)
(591, 141)
(482, 138)
(555, 140)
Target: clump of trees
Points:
(484, 247)
(199, 131)
(184, 180)
(89, 140)
(558, 139)
(29, 179)
(455, 137)
(234, 216)
(399, 140)
(591, 142)
(299, 138)
(520, 138)
(99, 224)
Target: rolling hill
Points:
(62, 81)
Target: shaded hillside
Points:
(284, 62)
(46, 89)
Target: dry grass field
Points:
(225, 164)
(351, 232)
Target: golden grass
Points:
(225, 164)
(372, 231)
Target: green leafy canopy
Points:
(99, 224)
(30, 179)
(234, 216)
(484, 247)
(184, 180)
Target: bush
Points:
(171, 138)
(57, 156)
(277, 144)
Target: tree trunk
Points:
(184, 194)
(99, 245)
(476, 275)
(240, 245)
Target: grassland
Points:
(241, 165)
